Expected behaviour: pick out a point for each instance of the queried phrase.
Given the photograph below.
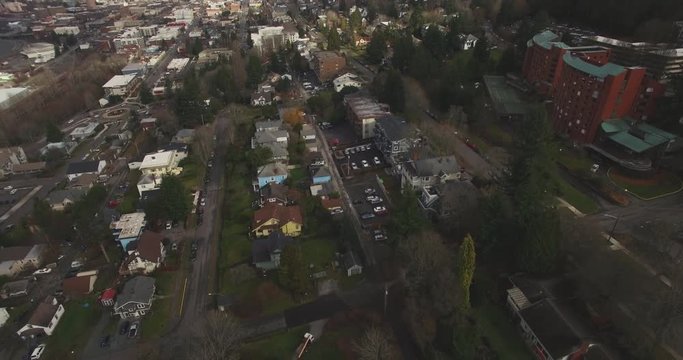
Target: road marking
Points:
(21, 203)
(182, 300)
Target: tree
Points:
(407, 219)
(481, 50)
(259, 156)
(435, 42)
(393, 94)
(416, 21)
(293, 273)
(53, 133)
(197, 47)
(174, 202)
(355, 20)
(333, 39)
(146, 96)
(376, 344)
(403, 52)
(219, 337)
(283, 85)
(376, 48)
(277, 63)
(71, 40)
(507, 62)
(254, 71)
(466, 265)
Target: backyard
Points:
(73, 330)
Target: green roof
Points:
(505, 99)
(546, 38)
(601, 71)
(638, 137)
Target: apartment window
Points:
(141, 306)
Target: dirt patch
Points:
(657, 178)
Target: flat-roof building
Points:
(119, 85)
(362, 112)
(128, 228)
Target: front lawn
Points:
(235, 244)
(73, 330)
(193, 171)
(279, 346)
(257, 296)
(130, 198)
(496, 326)
(660, 184)
(318, 251)
(154, 323)
(579, 200)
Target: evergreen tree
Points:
(53, 133)
(333, 39)
(254, 71)
(403, 52)
(466, 266)
(146, 96)
(174, 203)
(435, 42)
(481, 50)
(393, 93)
(376, 48)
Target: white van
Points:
(38, 352)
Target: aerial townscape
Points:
(341, 179)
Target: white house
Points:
(67, 30)
(128, 228)
(14, 259)
(40, 52)
(352, 264)
(119, 85)
(155, 165)
(83, 132)
(346, 80)
(44, 319)
(10, 156)
(467, 41)
(147, 255)
(4, 316)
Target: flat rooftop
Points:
(131, 225)
(119, 81)
(157, 160)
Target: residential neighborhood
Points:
(306, 179)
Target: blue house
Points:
(128, 228)
(274, 172)
(322, 175)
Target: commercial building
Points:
(346, 80)
(15, 259)
(9, 157)
(269, 39)
(67, 30)
(134, 69)
(154, 166)
(393, 138)
(362, 112)
(586, 89)
(119, 85)
(128, 228)
(178, 65)
(78, 168)
(10, 96)
(40, 52)
(82, 132)
(327, 65)
(661, 60)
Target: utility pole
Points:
(386, 294)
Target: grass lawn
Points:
(130, 198)
(319, 252)
(497, 327)
(579, 200)
(73, 330)
(574, 161)
(258, 297)
(235, 244)
(661, 184)
(154, 323)
(192, 172)
(296, 175)
(279, 346)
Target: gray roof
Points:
(183, 133)
(81, 167)
(394, 127)
(350, 260)
(307, 130)
(138, 289)
(265, 137)
(552, 326)
(14, 252)
(277, 149)
(267, 124)
(273, 190)
(262, 248)
(322, 172)
(461, 194)
(59, 196)
(435, 166)
(273, 169)
(16, 286)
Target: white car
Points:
(203, 202)
(379, 210)
(8, 187)
(14, 191)
(374, 199)
(76, 264)
(365, 163)
(38, 352)
(376, 161)
(354, 166)
(42, 271)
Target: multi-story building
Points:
(362, 112)
(393, 138)
(119, 85)
(67, 30)
(39, 52)
(585, 87)
(11, 156)
(327, 65)
(661, 60)
(156, 165)
(128, 228)
(269, 39)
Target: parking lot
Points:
(358, 159)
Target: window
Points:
(141, 306)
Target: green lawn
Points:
(154, 324)
(579, 200)
(193, 171)
(130, 198)
(319, 252)
(235, 244)
(497, 327)
(257, 297)
(73, 330)
(665, 183)
(575, 162)
(296, 175)
(279, 346)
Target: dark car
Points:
(367, 216)
(124, 328)
(104, 343)
(133, 332)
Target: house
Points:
(321, 189)
(128, 228)
(307, 132)
(454, 204)
(468, 41)
(362, 112)
(327, 64)
(265, 252)
(44, 319)
(4, 316)
(81, 284)
(148, 124)
(78, 168)
(147, 255)
(333, 205)
(352, 264)
(29, 168)
(261, 98)
(393, 138)
(183, 136)
(119, 85)
(15, 259)
(84, 182)
(268, 125)
(346, 80)
(58, 149)
(155, 165)
(59, 200)
(262, 138)
(274, 172)
(107, 297)
(273, 217)
(81, 132)
(273, 193)
(10, 156)
(14, 289)
(416, 174)
(135, 300)
(322, 175)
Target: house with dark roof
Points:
(44, 319)
(81, 284)
(352, 264)
(183, 136)
(15, 259)
(14, 289)
(333, 205)
(146, 256)
(454, 204)
(393, 138)
(60, 199)
(274, 193)
(416, 174)
(261, 98)
(78, 168)
(273, 217)
(265, 252)
(135, 300)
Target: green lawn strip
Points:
(73, 330)
(263, 293)
(154, 323)
(318, 251)
(192, 172)
(497, 327)
(279, 346)
(235, 245)
(668, 184)
(130, 198)
(576, 163)
(579, 200)
(296, 175)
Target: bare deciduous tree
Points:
(376, 344)
(217, 338)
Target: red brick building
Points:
(586, 89)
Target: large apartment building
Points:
(327, 65)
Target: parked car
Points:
(365, 163)
(354, 166)
(202, 202)
(14, 191)
(104, 343)
(133, 332)
(376, 161)
(38, 352)
(367, 216)
(76, 264)
(124, 328)
(379, 237)
(357, 202)
(8, 187)
(374, 199)
(169, 225)
(337, 211)
(369, 191)
(379, 210)
(42, 271)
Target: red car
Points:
(113, 203)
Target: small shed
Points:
(352, 264)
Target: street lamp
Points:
(614, 227)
